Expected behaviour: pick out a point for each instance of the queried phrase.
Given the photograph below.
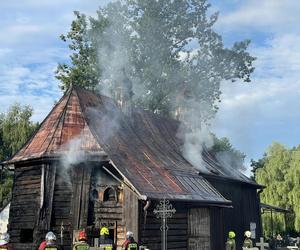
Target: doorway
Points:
(199, 229)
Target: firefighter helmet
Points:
(231, 234)
(4, 238)
(248, 234)
(82, 235)
(50, 237)
(104, 230)
(129, 234)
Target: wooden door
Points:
(199, 229)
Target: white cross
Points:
(262, 244)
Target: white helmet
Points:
(129, 234)
(50, 237)
(4, 238)
(248, 234)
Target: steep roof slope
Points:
(62, 124)
(143, 147)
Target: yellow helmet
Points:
(231, 234)
(104, 230)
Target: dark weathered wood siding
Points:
(245, 209)
(199, 229)
(25, 203)
(131, 212)
(61, 208)
(150, 234)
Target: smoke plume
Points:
(119, 81)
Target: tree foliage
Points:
(83, 70)
(15, 129)
(167, 49)
(279, 171)
(227, 154)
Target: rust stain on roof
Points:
(144, 147)
(64, 123)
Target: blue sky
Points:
(251, 115)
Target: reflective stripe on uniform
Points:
(51, 248)
(132, 246)
(82, 247)
(1, 248)
(106, 246)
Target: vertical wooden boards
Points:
(217, 228)
(61, 208)
(199, 229)
(25, 202)
(150, 234)
(43, 221)
(81, 176)
(131, 212)
(245, 208)
(85, 197)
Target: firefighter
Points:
(82, 242)
(4, 242)
(230, 243)
(105, 242)
(51, 242)
(248, 242)
(130, 243)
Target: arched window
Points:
(109, 194)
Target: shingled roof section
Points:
(149, 162)
(143, 147)
(64, 122)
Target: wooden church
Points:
(89, 165)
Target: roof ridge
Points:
(28, 142)
(61, 116)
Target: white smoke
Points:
(195, 132)
(231, 161)
(108, 124)
(71, 154)
(113, 48)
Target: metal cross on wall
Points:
(163, 211)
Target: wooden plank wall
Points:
(110, 212)
(150, 233)
(44, 214)
(61, 208)
(199, 229)
(245, 209)
(81, 179)
(131, 212)
(217, 228)
(25, 202)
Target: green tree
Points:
(293, 185)
(15, 129)
(83, 70)
(274, 174)
(255, 165)
(227, 154)
(167, 49)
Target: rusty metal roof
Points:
(143, 147)
(64, 122)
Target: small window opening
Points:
(95, 194)
(109, 195)
(26, 236)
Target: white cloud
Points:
(253, 115)
(30, 49)
(274, 15)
